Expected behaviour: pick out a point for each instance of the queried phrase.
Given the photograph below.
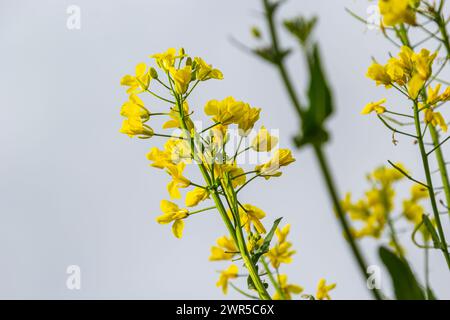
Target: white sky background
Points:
(75, 191)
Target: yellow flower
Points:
(236, 173)
(397, 11)
(159, 157)
(378, 73)
(282, 233)
(251, 215)
(204, 71)
(287, 289)
(178, 180)
(174, 115)
(419, 192)
(248, 120)
(264, 141)
(387, 175)
(397, 71)
(141, 79)
(413, 211)
(134, 107)
(423, 62)
(433, 94)
(226, 249)
(374, 106)
(415, 85)
(435, 119)
(225, 276)
(182, 78)
(323, 290)
(228, 111)
(178, 150)
(281, 157)
(166, 59)
(133, 126)
(445, 96)
(219, 135)
(280, 253)
(194, 197)
(171, 212)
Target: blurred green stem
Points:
(322, 160)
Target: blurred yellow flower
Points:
(323, 290)
(286, 289)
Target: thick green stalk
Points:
(442, 166)
(426, 167)
(434, 134)
(317, 149)
(236, 233)
(342, 217)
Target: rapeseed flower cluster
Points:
(374, 209)
(223, 178)
(398, 11)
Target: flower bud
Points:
(153, 73)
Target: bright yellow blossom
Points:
(172, 213)
(280, 253)
(205, 71)
(419, 192)
(248, 120)
(227, 111)
(174, 121)
(139, 82)
(379, 74)
(323, 290)
(166, 59)
(374, 106)
(195, 196)
(236, 173)
(182, 78)
(226, 249)
(283, 233)
(264, 141)
(433, 94)
(251, 215)
(133, 126)
(178, 180)
(435, 119)
(286, 289)
(134, 107)
(281, 157)
(397, 11)
(225, 276)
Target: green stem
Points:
(272, 279)
(426, 167)
(441, 165)
(318, 151)
(236, 233)
(342, 217)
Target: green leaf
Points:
(434, 236)
(301, 28)
(320, 103)
(267, 240)
(404, 282)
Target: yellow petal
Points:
(177, 228)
